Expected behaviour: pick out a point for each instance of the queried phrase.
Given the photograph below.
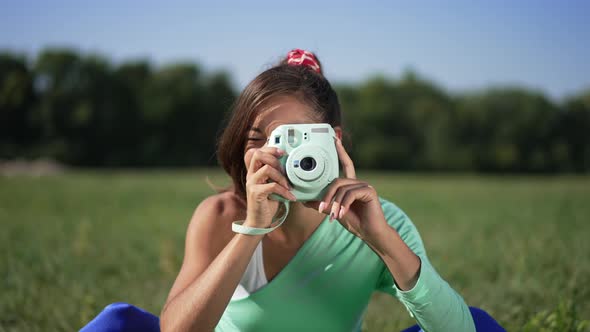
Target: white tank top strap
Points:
(254, 277)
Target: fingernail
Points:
(331, 216)
(341, 212)
(322, 207)
(279, 151)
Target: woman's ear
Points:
(338, 132)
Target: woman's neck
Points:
(299, 225)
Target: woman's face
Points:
(281, 110)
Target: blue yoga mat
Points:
(124, 317)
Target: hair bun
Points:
(299, 57)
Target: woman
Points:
(311, 273)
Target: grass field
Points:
(518, 247)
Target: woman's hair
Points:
(298, 75)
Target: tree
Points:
(19, 130)
(574, 128)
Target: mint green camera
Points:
(310, 161)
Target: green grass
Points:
(517, 247)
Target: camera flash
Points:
(291, 136)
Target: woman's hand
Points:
(263, 166)
(352, 202)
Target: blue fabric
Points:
(483, 322)
(124, 317)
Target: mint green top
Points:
(327, 286)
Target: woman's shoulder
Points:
(225, 206)
(210, 225)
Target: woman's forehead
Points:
(282, 111)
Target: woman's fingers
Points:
(334, 186)
(268, 172)
(265, 156)
(263, 190)
(360, 193)
(347, 165)
(337, 207)
(264, 166)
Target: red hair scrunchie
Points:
(299, 57)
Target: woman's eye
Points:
(255, 142)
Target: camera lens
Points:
(307, 164)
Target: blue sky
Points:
(461, 45)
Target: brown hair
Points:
(302, 82)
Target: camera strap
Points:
(238, 227)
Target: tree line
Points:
(84, 110)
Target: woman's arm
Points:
(399, 259)
(391, 234)
(427, 297)
(214, 262)
(215, 258)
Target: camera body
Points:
(310, 160)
